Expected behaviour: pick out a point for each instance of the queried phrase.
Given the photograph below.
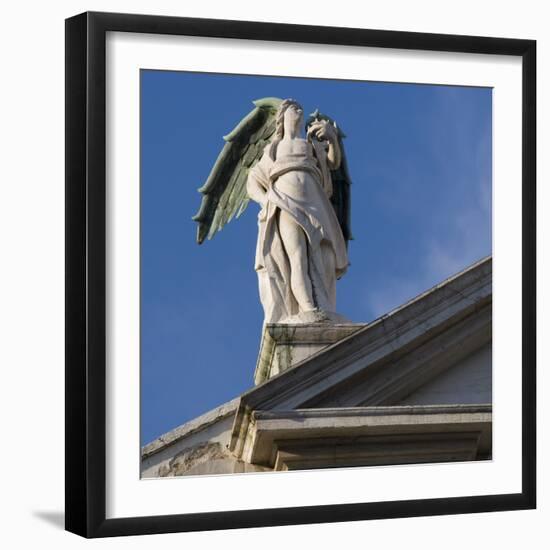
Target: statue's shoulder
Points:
(264, 163)
(269, 153)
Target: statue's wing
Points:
(224, 193)
(341, 181)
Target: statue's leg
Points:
(329, 262)
(265, 295)
(295, 243)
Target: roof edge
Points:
(188, 428)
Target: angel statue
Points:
(303, 188)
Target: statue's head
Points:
(290, 113)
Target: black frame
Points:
(85, 489)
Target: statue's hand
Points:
(322, 130)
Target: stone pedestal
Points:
(285, 345)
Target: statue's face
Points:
(293, 116)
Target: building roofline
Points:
(184, 430)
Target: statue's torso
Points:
(295, 171)
(296, 146)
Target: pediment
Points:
(468, 380)
(428, 370)
(392, 359)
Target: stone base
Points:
(316, 316)
(285, 345)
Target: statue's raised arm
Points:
(341, 181)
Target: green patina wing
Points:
(224, 193)
(341, 181)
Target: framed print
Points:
(340, 324)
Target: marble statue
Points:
(303, 188)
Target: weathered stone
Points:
(206, 459)
(211, 427)
(285, 345)
(190, 457)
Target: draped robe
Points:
(301, 185)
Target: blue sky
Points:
(420, 160)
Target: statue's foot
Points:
(316, 316)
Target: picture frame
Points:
(87, 267)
